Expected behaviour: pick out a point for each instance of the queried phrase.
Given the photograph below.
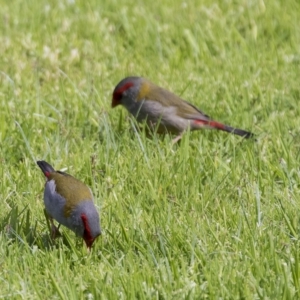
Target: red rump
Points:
(45, 167)
(213, 124)
(47, 174)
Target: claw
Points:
(176, 139)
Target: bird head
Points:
(126, 92)
(90, 221)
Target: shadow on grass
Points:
(18, 227)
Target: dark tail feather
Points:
(240, 132)
(220, 126)
(45, 167)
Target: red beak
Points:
(89, 244)
(114, 103)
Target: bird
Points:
(70, 202)
(162, 110)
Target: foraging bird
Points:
(162, 110)
(70, 203)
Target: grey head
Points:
(126, 92)
(86, 222)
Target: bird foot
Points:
(176, 139)
(54, 232)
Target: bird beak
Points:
(114, 103)
(89, 244)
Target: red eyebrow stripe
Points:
(123, 88)
(86, 226)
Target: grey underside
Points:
(153, 112)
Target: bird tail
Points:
(216, 125)
(45, 167)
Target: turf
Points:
(213, 217)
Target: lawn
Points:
(212, 217)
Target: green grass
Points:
(214, 217)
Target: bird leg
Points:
(177, 138)
(54, 231)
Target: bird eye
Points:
(117, 96)
(85, 234)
